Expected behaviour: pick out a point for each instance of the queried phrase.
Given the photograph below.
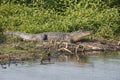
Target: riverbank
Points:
(31, 50)
(86, 44)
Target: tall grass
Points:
(35, 16)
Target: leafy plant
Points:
(35, 16)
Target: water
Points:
(93, 67)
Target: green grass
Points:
(8, 49)
(61, 15)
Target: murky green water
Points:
(92, 67)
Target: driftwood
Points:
(74, 48)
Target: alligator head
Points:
(76, 36)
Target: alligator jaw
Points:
(78, 35)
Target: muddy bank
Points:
(18, 46)
(18, 51)
(100, 45)
(54, 42)
(82, 46)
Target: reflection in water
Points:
(48, 59)
(105, 66)
(71, 58)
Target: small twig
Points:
(65, 49)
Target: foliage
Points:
(34, 16)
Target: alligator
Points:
(47, 36)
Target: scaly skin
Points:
(47, 36)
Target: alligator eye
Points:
(45, 37)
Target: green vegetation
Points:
(34, 16)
